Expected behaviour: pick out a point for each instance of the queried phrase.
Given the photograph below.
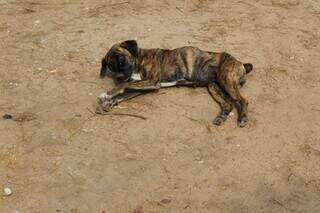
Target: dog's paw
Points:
(219, 120)
(106, 101)
(104, 97)
(243, 122)
(107, 106)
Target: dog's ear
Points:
(103, 69)
(131, 46)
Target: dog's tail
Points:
(248, 67)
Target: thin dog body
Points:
(139, 71)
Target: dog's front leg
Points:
(115, 96)
(134, 86)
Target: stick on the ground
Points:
(102, 112)
(126, 114)
(179, 9)
(122, 114)
(91, 111)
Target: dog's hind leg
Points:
(231, 86)
(223, 100)
(229, 78)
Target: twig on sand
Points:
(179, 9)
(101, 112)
(124, 114)
(91, 111)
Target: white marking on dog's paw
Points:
(104, 97)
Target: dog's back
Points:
(193, 64)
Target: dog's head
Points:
(120, 61)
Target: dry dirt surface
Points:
(57, 156)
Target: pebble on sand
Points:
(7, 116)
(7, 191)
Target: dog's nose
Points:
(121, 78)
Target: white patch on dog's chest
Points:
(136, 77)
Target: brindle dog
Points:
(138, 71)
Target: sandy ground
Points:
(56, 156)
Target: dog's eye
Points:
(121, 60)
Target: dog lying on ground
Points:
(138, 71)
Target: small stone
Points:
(165, 201)
(52, 71)
(292, 57)
(7, 116)
(27, 10)
(13, 84)
(7, 191)
(149, 29)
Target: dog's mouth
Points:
(122, 78)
